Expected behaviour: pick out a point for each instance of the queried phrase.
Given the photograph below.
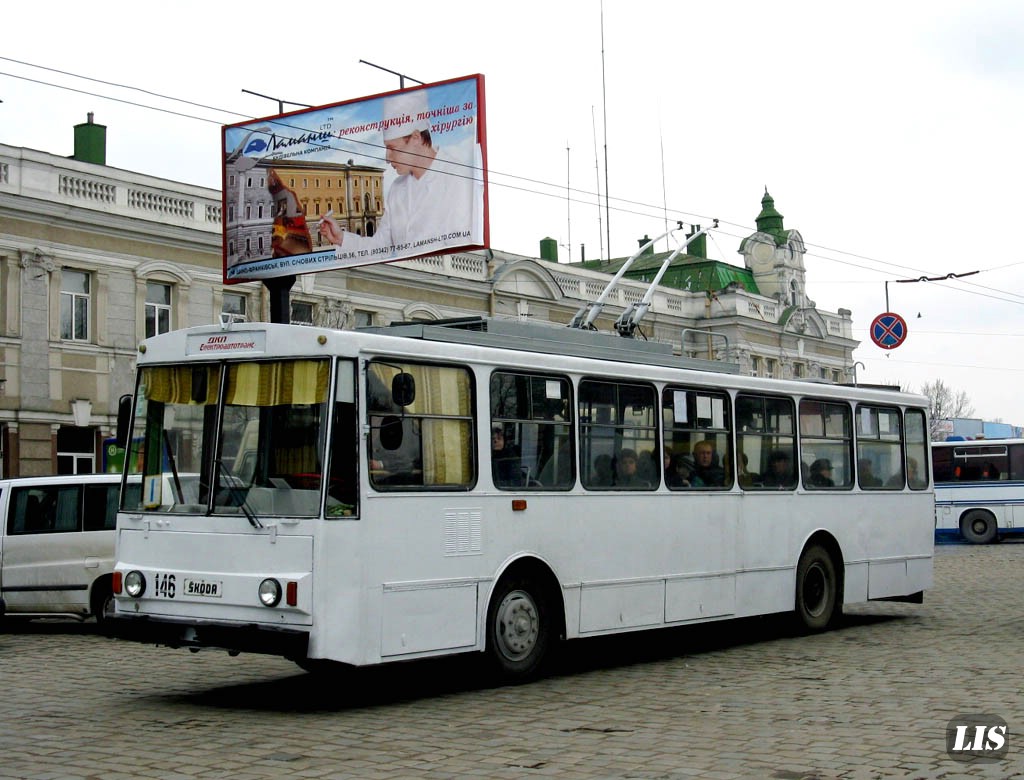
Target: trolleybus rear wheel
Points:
(518, 628)
(817, 589)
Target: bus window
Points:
(697, 430)
(618, 436)
(766, 433)
(916, 449)
(826, 443)
(879, 447)
(428, 442)
(531, 431)
(344, 450)
(275, 419)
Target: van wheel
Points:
(978, 527)
(102, 604)
(817, 589)
(518, 628)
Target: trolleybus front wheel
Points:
(817, 589)
(518, 628)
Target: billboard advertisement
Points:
(388, 177)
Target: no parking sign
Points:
(888, 330)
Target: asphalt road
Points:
(746, 699)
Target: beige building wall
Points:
(125, 230)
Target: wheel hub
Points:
(518, 625)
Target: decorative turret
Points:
(776, 257)
(769, 220)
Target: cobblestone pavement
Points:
(746, 699)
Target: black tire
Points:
(518, 628)
(978, 527)
(818, 604)
(102, 604)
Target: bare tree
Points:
(945, 403)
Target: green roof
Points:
(687, 272)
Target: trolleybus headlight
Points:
(270, 592)
(134, 584)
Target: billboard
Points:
(383, 178)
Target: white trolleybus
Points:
(979, 489)
(495, 486)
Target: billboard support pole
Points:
(279, 288)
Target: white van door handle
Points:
(92, 563)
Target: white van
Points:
(57, 545)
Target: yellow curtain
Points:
(280, 383)
(173, 384)
(446, 451)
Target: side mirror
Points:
(124, 418)
(403, 389)
(391, 432)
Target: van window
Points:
(99, 512)
(43, 509)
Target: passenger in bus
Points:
(679, 473)
(626, 471)
(867, 475)
(914, 478)
(603, 474)
(747, 478)
(780, 470)
(707, 468)
(647, 467)
(821, 474)
(505, 464)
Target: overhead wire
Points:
(582, 196)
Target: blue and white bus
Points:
(979, 489)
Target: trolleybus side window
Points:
(531, 431)
(826, 444)
(767, 437)
(916, 449)
(697, 431)
(618, 436)
(879, 447)
(422, 429)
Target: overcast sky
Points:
(888, 133)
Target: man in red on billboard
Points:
(290, 234)
(430, 205)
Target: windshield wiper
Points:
(228, 481)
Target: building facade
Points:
(94, 259)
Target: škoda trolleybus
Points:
(394, 493)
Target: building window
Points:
(158, 308)
(755, 365)
(260, 241)
(259, 211)
(231, 180)
(248, 182)
(248, 212)
(799, 370)
(234, 304)
(74, 305)
(769, 367)
(75, 450)
(302, 313)
(363, 319)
